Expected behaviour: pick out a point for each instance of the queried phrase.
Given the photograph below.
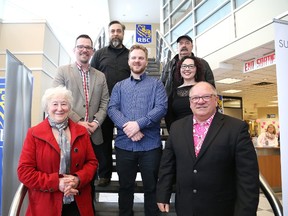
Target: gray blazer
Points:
(69, 76)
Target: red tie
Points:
(86, 92)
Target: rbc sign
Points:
(143, 33)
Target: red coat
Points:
(39, 167)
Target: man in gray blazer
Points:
(213, 159)
(89, 89)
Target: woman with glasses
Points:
(191, 71)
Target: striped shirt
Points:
(85, 83)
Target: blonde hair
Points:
(271, 125)
(141, 47)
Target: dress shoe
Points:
(103, 182)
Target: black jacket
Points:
(113, 63)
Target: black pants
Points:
(105, 150)
(70, 209)
(127, 166)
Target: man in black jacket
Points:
(171, 77)
(112, 60)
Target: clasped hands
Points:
(132, 130)
(68, 185)
(90, 126)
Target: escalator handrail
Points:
(17, 202)
(271, 197)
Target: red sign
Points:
(258, 63)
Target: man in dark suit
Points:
(90, 92)
(213, 159)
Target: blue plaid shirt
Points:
(143, 101)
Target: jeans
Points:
(127, 163)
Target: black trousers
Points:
(70, 209)
(105, 150)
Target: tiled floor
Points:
(264, 208)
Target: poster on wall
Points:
(263, 123)
(220, 104)
(143, 33)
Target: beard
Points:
(116, 42)
(184, 49)
(138, 70)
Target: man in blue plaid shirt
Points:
(136, 107)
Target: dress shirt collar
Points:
(206, 122)
(80, 67)
(142, 77)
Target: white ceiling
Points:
(70, 18)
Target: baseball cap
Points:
(184, 36)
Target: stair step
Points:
(111, 209)
(113, 187)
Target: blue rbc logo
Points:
(143, 33)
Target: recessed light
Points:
(228, 81)
(231, 91)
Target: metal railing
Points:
(163, 49)
(275, 203)
(271, 197)
(17, 202)
(100, 40)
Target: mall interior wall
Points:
(34, 44)
(247, 28)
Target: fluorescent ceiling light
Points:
(231, 91)
(228, 81)
(273, 101)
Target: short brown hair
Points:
(141, 47)
(117, 22)
(84, 36)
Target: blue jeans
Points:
(127, 163)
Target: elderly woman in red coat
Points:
(57, 162)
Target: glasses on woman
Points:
(189, 67)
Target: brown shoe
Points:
(103, 182)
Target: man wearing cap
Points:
(171, 77)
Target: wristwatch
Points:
(95, 120)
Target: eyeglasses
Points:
(205, 98)
(185, 67)
(82, 47)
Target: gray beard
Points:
(115, 43)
